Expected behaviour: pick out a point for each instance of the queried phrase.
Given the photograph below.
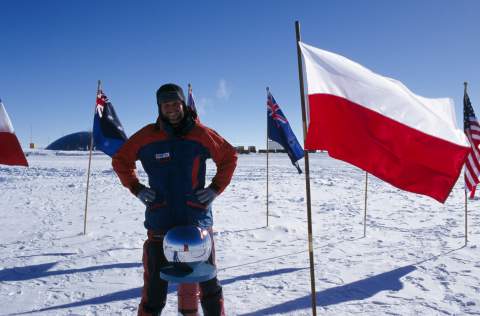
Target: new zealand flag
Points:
(108, 133)
(279, 130)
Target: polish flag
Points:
(377, 124)
(10, 151)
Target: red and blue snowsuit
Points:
(176, 167)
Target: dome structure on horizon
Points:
(74, 141)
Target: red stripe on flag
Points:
(472, 193)
(393, 152)
(10, 151)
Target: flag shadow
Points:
(358, 290)
(136, 292)
(42, 270)
(51, 254)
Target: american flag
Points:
(471, 127)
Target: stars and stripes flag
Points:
(472, 130)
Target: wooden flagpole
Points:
(365, 208)
(307, 172)
(267, 163)
(89, 164)
(466, 208)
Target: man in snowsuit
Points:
(173, 152)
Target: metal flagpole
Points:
(307, 172)
(267, 161)
(89, 164)
(466, 217)
(365, 209)
(466, 208)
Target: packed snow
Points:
(413, 260)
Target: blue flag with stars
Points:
(108, 133)
(279, 130)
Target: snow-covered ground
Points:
(412, 262)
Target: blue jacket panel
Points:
(176, 169)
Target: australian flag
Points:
(108, 133)
(280, 131)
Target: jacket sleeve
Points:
(123, 163)
(225, 158)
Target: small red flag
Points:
(10, 151)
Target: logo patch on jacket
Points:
(162, 157)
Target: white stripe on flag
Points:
(472, 165)
(5, 123)
(469, 179)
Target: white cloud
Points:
(202, 105)
(223, 91)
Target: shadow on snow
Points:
(62, 254)
(41, 270)
(358, 290)
(136, 292)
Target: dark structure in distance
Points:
(75, 141)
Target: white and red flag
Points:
(10, 151)
(377, 124)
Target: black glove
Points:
(146, 195)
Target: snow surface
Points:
(412, 262)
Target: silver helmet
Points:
(187, 244)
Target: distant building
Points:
(241, 150)
(75, 141)
(272, 145)
(245, 149)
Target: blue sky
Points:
(53, 52)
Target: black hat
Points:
(170, 92)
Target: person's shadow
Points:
(134, 293)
